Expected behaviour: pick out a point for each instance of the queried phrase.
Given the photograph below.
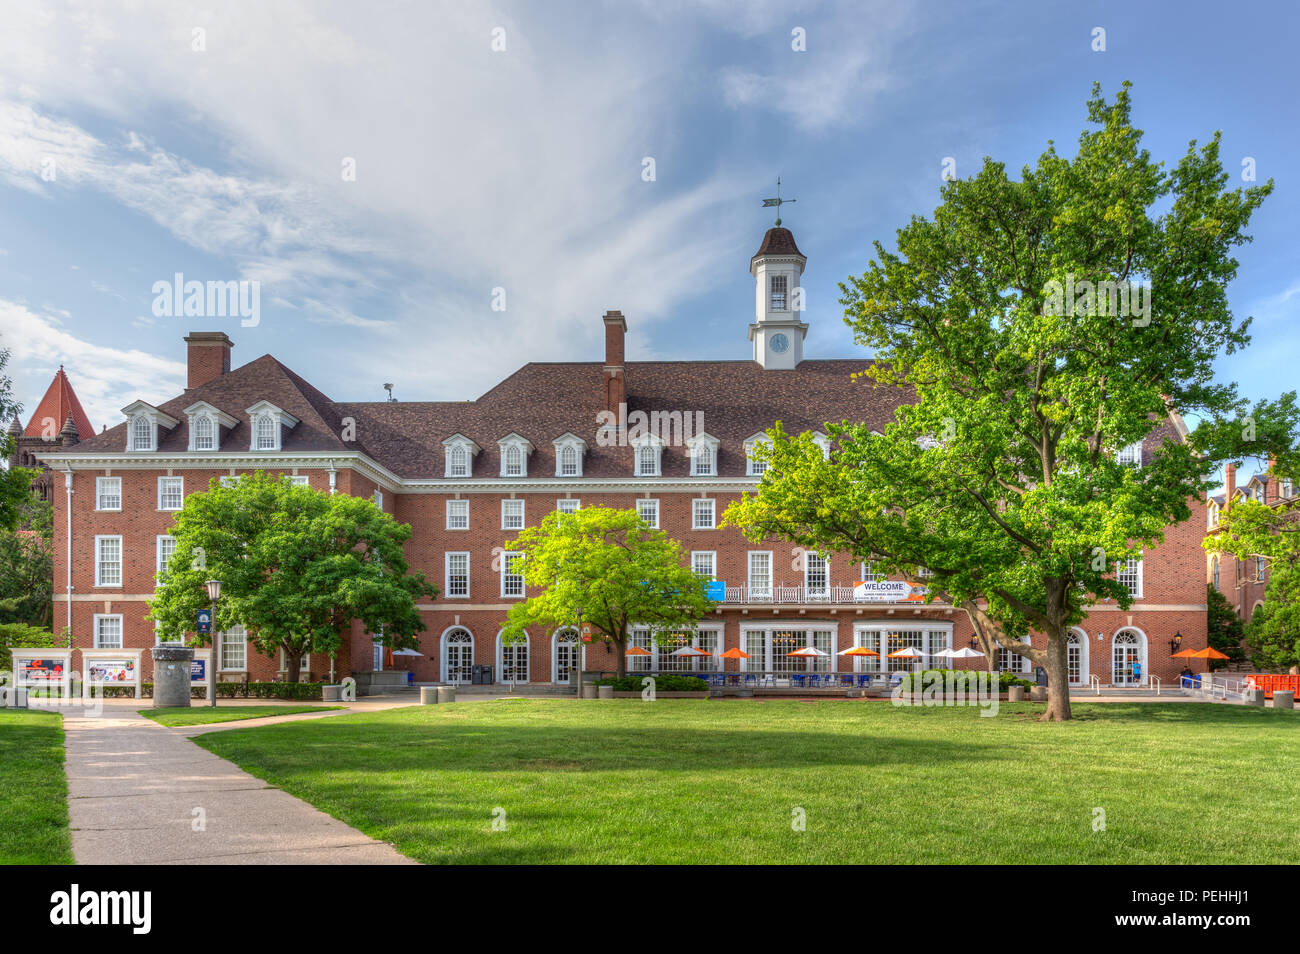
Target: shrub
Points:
(664, 682)
(21, 636)
(1005, 679)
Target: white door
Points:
(458, 657)
(1126, 652)
(565, 656)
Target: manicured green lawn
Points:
(722, 781)
(205, 715)
(33, 789)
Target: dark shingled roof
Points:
(778, 241)
(541, 402)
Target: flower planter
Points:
(703, 694)
(1016, 694)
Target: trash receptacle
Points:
(1040, 675)
(482, 676)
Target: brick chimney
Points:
(208, 357)
(615, 379)
(1229, 484)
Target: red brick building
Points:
(1243, 582)
(466, 475)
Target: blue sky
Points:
(522, 169)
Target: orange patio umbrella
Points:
(637, 651)
(857, 651)
(1208, 652)
(735, 652)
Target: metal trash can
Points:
(1040, 675)
(446, 694)
(428, 695)
(482, 676)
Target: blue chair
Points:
(846, 681)
(798, 679)
(864, 680)
(751, 679)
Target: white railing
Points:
(783, 594)
(1094, 682)
(1156, 680)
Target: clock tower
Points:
(778, 331)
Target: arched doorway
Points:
(1128, 647)
(512, 660)
(457, 656)
(566, 655)
(1076, 657)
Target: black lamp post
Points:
(214, 594)
(1175, 642)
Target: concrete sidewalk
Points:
(137, 792)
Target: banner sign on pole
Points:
(204, 617)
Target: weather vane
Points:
(778, 201)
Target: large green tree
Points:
(15, 482)
(297, 566)
(27, 566)
(1224, 628)
(1038, 327)
(608, 569)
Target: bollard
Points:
(1016, 694)
(331, 693)
(589, 691)
(446, 693)
(605, 692)
(1283, 699)
(428, 695)
(1253, 697)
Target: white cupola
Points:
(778, 331)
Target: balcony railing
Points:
(781, 594)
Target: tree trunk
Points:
(1058, 679)
(620, 645)
(293, 659)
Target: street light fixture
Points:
(214, 594)
(1175, 642)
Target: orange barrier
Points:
(1270, 681)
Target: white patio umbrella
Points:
(908, 652)
(964, 653)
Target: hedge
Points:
(664, 682)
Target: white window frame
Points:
(102, 490)
(446, 573)
(459, 444)
(1133, 565)
(696, 509)
(159, 563)
(507, 504)
(100, 539)
(378, 498)
(225, 641)
(778, 300)
(299, 480)
(163, 494)
(712, 560)
(230, 480)
(514, 455)
(507, 558)
(456, 505)
(809, 559)
(150, 434)
(655, 446)
(703, 450)
(753, 467)
(280, 420)
(568, 505)
(138, 411)
(648, 502)
(759, 592)
(1130, 454)
(304, 664)
(97, 620)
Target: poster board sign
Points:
(110, 668)
(40, 668)
(201, 670)
(888, 591)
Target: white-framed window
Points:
(457, 573)
(304, 664)
(512, 581)
(1130, 455)
(266, 433)
(753, 466)
(378, 498)
(1261, 569)
(171, 493)
(512, 514)
(816, 576)
(457, 514)
(569, 449)
(230, 480)
(704, 562)
(870, 573)
(460, 451)
(823, 442)
(1129, 572)
(142, 433)
(108, 561)
(779, 288)
(648, 510)
(1214, 565)
(648, 449)
(108, 631)
(885, 638)
(233, 644)
(1286, 488)
(568, 504)
(165, 545)
(108, 493)
(760, 573)
(703, 513)
(514, 455)
(704, 455)
(203, 433)
(299, 480)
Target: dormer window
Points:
(753, 466)
(648, 449)
(206, 422)
(460, 451)
(267, 425)
(514, 455)
(1130, 455)
(569, 449)
(824, 442)
(704, 455)
(143, 421)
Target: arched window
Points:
(457, 656)
(205, 433)
(458, 466)
(1128, 658)
(1214, 564)
(266, 432)
(514, 461)
(645, 460)
(1076, 657)
(568, 461)
(141, 433)
(512, 660)
(702, 461)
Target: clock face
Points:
(780, 343)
